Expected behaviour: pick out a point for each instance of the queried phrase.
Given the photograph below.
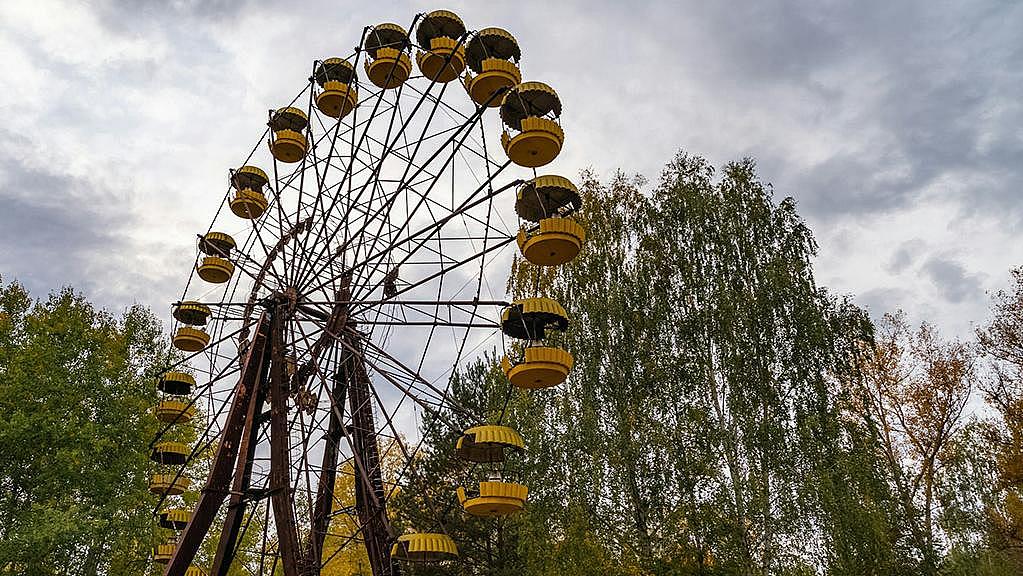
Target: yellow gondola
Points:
(169, 484)
(215, 270)
(289, 142)
(488, 443)
(191, 312)
(542, 367)
(174, 411)
(250, 204)
(188, 338)
(249, 177)
(162, 553)
(557, 241)
(546, 197)
(175, 518)
(549, 200)
(424, 547)
(217, 244)
(529, 318)
(531, 109)
(177, 383)
(442, 57)
(493, 498)
(493, 55)
(338, 95)
(248, 200)
(388, 65)
(171, 453)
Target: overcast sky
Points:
(897, 126)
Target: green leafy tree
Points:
(76, 392)
(691, 431)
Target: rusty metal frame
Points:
(218, 483)
(281, 496)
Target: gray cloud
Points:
(953, 281)
(54, 227)
(920, 99)
(905, 256)
(880, 301)
(120, 15)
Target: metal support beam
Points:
(325, 487)
(217, 484)
(369, 488)
(281, 497)
(328, 466)
(227, 546)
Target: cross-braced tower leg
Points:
(281, 495)
(335, 324)
(369, 485)
(219, 481)
(227, 546)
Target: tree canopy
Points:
(76, 393)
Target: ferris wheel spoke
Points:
(436, 323)
(429, 230)
(365, 469)
(375, 238)
(389, 148)
(248, 266)
(283, 220)
(449, 319)
(316, 316)
(407, 387)
(364, 135)
(407, 456)
(395, 435)
(294, 179)
(269, 266)
(439, 273)
(462, 244)
(447, 108)
(398, 152)
(318, 206)
(366, 359)
(461, 116)
(473, 119)
(286, 237)
(415, 377)
(454, 211)
(350, 173)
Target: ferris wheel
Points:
(345, 278)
